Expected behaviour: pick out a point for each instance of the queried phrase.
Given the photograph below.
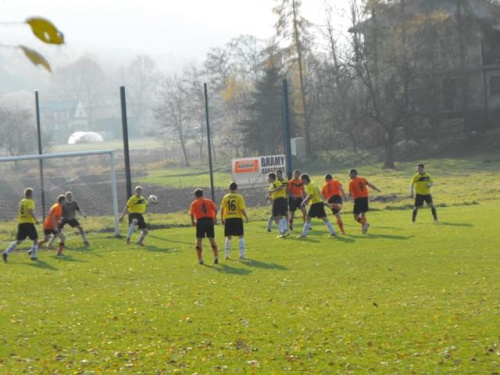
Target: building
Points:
(62, 118)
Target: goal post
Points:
(110, 153)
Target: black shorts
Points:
(205, 227)
(280, 207)
(233, 227)
(360, 205)
(335, 199)
(48, 232)
(141, 224)
(317, 210)
(294, 204)
(71, 222)
(26, 230)
(420, 199)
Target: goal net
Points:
(90, 175)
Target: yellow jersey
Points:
(278, 194)
(24, 214)
(422, 182)
(314, 192)
(232, 206)
(137, 205)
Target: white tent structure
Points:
(85, 137)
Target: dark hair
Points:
(421, 165)
(328, 176)
(28, 192)
(296, 171)
(60, 198)
(198, 193)
(305, 177)
(233, 186)
(353, 171)
(272, 175)
(279, 171)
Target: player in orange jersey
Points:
(295, 197)
(51, 225)
(203, 215)
(359, 192)
(334, 194)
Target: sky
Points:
(181, 30)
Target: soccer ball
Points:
(153, 199)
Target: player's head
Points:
(69, 195)
(271, 177)
(296, 173)
(138, 190)
(305, 178)
(28, 193)
(198, 193)
(353, 173)
(61, 198)
(233, 186)
(421, 168)
(279, 173)
(328, 177)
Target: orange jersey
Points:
(55, 211)
(202, 208)
(331, 188)
(295, 187)
(358, 188)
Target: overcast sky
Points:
(181, 29)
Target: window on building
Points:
(491, 48)
(495, 85)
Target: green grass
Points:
(402, 299)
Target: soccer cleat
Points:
(343, 233)
(200, 261)
(30, 251)
(269, 229)
(216, 260)
(333, 235)
(301, 236)
(34, 258)
(365, 228)
(140, 243)
(286, 233)
(128, 241)
(86, 243)
(59, 255)
(4, 257)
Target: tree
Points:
(18, 131)
(172, 111)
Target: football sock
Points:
(434, 213)
(84, 237)
(51, 242)
(330, 227)
(285, 224)
(340, 224)
(131, 230)
(198, 251)
(142, 237)
(228, 246)
(305, 229)
(11, 247)
(242, 247)
(414, 214)
(34, 250)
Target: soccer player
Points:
(26, 225)
(203, 215)
(295, 189)
(277, 191)
(317, 208)
(359, 192)
(69, 209)
(51, 225)
(280, 178)
(334, 194)
(136, 208)
(232, 212)
(423, 182)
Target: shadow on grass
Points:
(70, 258)
(42, 265)
(468, 225)
(267, 266)
(167, 240)
(344, 238)
(155, 249)
(226, 269)
(385, 236)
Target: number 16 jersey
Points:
(232, 205)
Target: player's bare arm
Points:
(244, 213)
(373, 186)
(125, 210)
(33, 216)
(193, 222)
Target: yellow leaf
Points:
(35, 57)
(45, 30)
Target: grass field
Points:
(404, 299)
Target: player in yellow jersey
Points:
(278, 193)
(232, 212)
(317, 208)
(136, 208)
(422, 183)
(284, 181)
(26, 226)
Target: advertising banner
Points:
(252, 172)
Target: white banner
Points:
(249, 172)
